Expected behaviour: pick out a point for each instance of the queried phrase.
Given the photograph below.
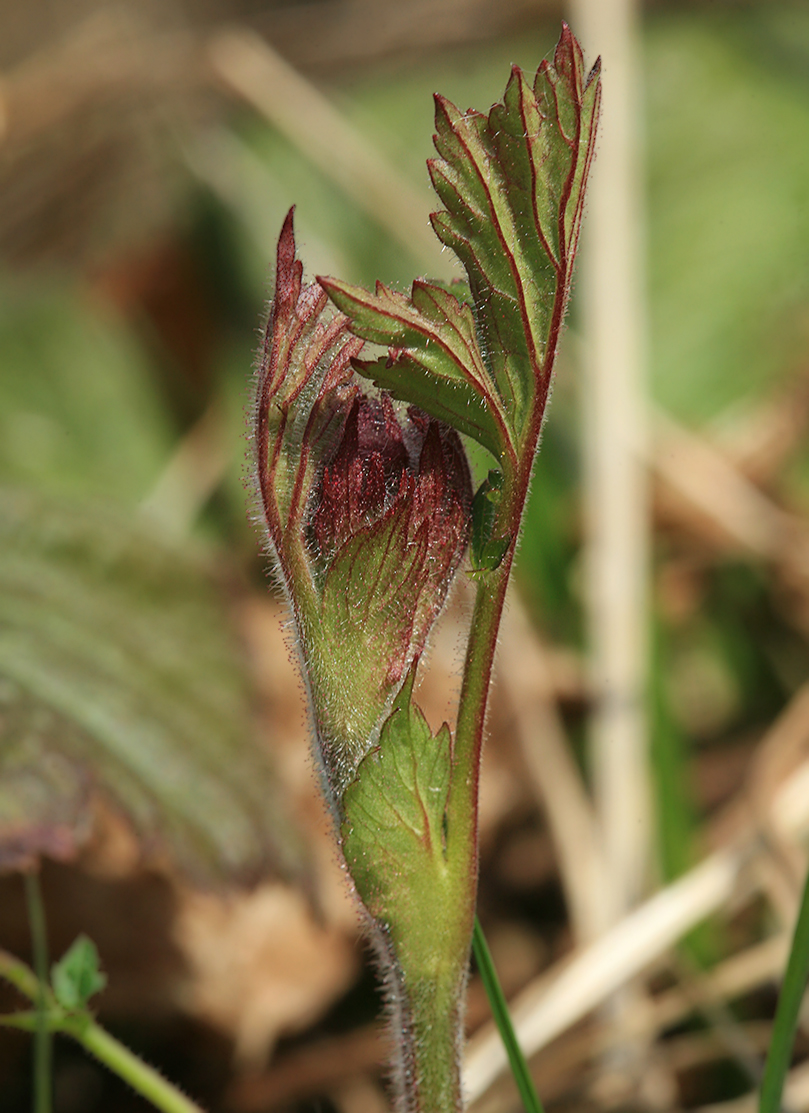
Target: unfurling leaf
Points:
(512, 183)
(367, 510)
(513, 186)
(435, 361)
(77, 976)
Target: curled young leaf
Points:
(434, 362)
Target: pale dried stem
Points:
(566, 994)
(561, 1068)
(616, 498)
(249, 67)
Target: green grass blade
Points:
(786, 1016)
(519, 1067)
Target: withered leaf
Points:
(119, 678)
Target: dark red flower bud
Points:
(367, 510)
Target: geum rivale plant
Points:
(367, 504)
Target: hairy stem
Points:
(42, 1035)
(121, 1061)
(144, 1079)
(429, 1028)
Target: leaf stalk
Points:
(42, 1035)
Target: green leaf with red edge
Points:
(366, 511)
(302, 393)
(381, 594)
(393, 829)
(396, 843)
(435, 363)
(513, 186)
(366, 626)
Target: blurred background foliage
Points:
(140, 200)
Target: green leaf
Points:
(77, 976)
(486, 550)
(393, 831)
(368, 612)
(119, 679)
(395, 843)
(513, 185)
(435, 362)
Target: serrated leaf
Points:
(119, 679)
(393, 830)
(77, 976)
(435, 362)
(513, 184)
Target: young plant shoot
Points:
(368, 509)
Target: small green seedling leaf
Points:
(77, 976)
(486, 550)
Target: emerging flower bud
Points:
(368, 515)
(364, 475)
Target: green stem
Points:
(499, 1005)
(22, 977)
(433, 1042)
(42, 1035)
(462, 810)
(462, 813)
(144, 1079)
(786, 1016)
(121, 1061)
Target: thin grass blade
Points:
(497, 1000)
(786, 1016)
